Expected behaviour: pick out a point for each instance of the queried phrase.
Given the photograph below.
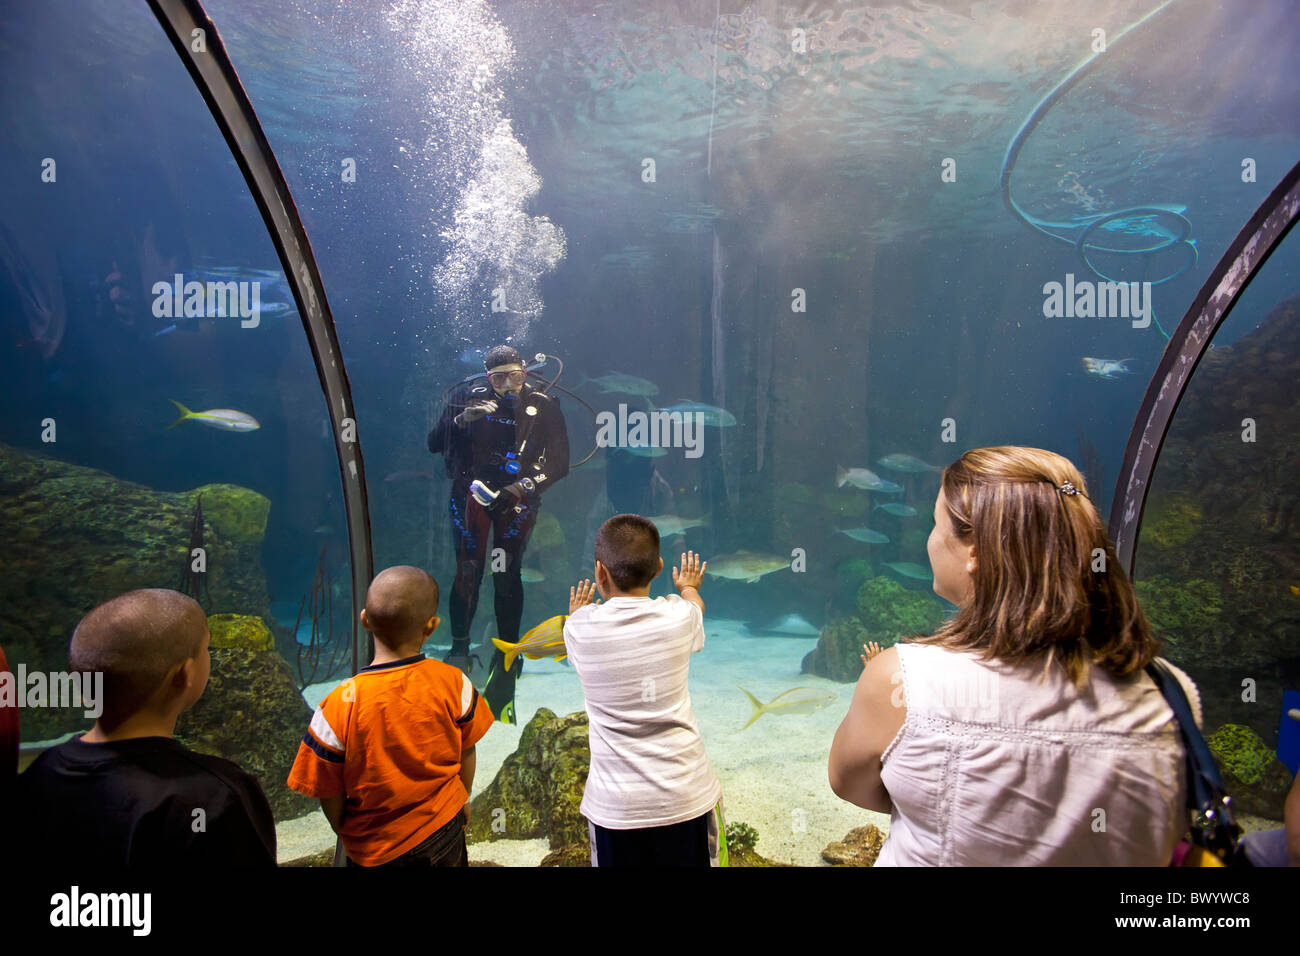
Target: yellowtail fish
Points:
(797, 700)
(545, 640)
(227, 419)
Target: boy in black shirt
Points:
(126, 793)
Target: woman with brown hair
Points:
(1024, 731)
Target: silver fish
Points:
(910, 569)
(704, 414)
(625, 384)
(866, 479)
(670, 525)
(1106, 368)
(865, 535)
(906, 463)
(745, 566)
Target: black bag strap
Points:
(1213, 825)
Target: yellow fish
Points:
(797, 700)
(545, 640)
(227, 419)
(1295, 590)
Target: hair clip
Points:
(1068, 489)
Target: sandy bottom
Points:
(773, 772)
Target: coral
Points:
(1241, 752)
(1171, 521)
(321, 858)
(886, 612)
(1179, 609)
(547, 533)
(538, 790)
(78, 536)
(234, 512)
(742, 846)
(850, 574)
(1252, 774)
(1246, 568)
(741, 836)
(575, 854)
(741, 842)
(889, 610)
(860, 847)
(836, 655)
(240, 630)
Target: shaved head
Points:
(400, 601)
(134, 640)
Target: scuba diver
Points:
(503, 443)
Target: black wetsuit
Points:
(540, 445)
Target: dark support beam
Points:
(1244, 258)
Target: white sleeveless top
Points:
(994, 768)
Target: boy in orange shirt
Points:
(390, 751)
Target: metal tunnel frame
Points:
(1254, 244)
(215, 77)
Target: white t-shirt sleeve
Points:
(697, 620)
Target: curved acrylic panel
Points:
(1220, 539)
(163, 425)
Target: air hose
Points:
(1079, 232)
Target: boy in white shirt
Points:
(651, 798)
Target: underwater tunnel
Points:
(248, 249)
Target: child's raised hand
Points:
(582, 595)
(872, 649)
(691, 573)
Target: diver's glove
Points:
(507, 498)
(473, 413)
